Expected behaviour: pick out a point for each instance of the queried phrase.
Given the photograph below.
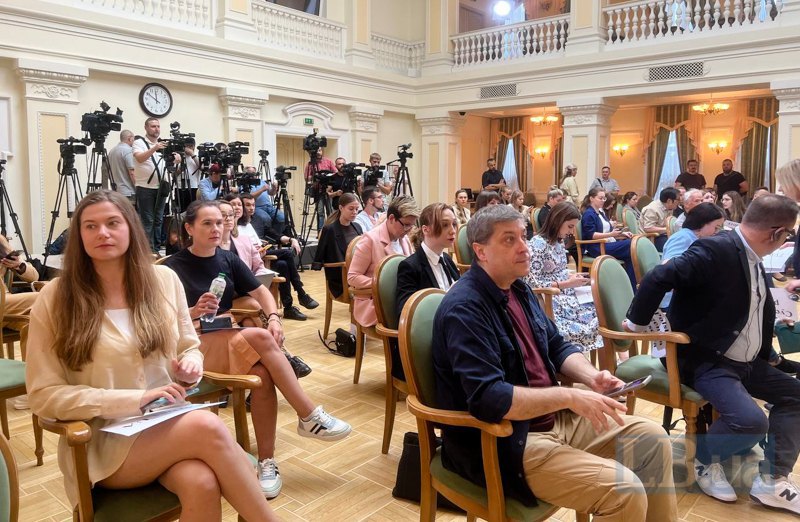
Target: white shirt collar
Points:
(433, 257)
(751, 255)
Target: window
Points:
(307, 6)
(510, 167)
(672, 165)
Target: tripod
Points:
(5, 202)
(321, 204)
(99, 160)
(67, 177)
(282, 199)
(402, 183)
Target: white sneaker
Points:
(321, 425)
(711, 479)
(269, 477)
(777, 492)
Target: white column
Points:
(358, 45)
(440, 155)
(441, 22)
(788, 94)
(242, 120)
(587, 128)
(51, 113)
(364, 125)
(587, 29)
(235, 21)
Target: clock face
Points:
(155, 100)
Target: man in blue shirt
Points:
(496, 355)
(265, 209)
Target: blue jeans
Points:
(730, 387)
(151, 211)
(272, 217)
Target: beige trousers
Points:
(624, 474)
(19, 304)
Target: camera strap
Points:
(155, 164)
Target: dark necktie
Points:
(446, 272)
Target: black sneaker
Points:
(301, 369)
(307, 301)
(788, 366)
(292, 312)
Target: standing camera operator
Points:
(151, 193)
(375, 177)
(336, 186)
(192, 166)
(120, 160)
(263, 193)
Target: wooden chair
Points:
(644, 256)
(344, 298)
(489, 503)
(463, 250)
(631, 221)
(612, 298)
(361, 331)
(535, 219)
(671, 225)
(585, 261)
(9, 483)
(152, 502)
(384, 295)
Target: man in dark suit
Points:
(416, 273)
(730, 328)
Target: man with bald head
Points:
(120, 159)
(730, 180)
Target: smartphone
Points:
(629, 387)
(163, 401)
(13, 255)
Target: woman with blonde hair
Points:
(568, 183)
(461, 207)
(109, 337)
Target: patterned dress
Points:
(576, 322)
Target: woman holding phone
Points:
(113, 334)
(21, 303)
(576, 322)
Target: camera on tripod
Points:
(263, 153)
(282, 174)
(232, 154)
(177, 142)
(372, 175)
(99, 123)
(402, 152)
(312, 142)
(351, 172)
(69, 147)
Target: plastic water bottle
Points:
(217, 288)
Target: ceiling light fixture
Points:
(710, 108)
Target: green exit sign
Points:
(308, 121)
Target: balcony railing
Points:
(195, 14)
(520, 41)
(298, 32)
(660, 19)
(398, 55)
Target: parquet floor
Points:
(349, 480)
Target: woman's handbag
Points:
(344, 344)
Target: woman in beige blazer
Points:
(110, 336)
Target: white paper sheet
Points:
(584, 294)
(776, 261)
(785, 304)
(133, 425)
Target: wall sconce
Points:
(620, 149)
(541, 151)
(717, 146)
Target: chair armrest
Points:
(269, 257)
(247, 312)
(588, 241)
(546, 291)
(38, 285)
(361, 292)
(76, 433)
(340, 264)
(669, 337)
(385, 332)
(234, 381)
(17, 318)
(456, 418)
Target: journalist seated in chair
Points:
(629, 202)
(487, 198)
(284, 265)
(20, 303)
(496, 354)
(384, 240)
(554, 197)
(231, 208)
(730, 327)
(336, 235)
(576, 322)
(109, 336)
(655, 215)
(255, 351)
(596, 225)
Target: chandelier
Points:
(544, 119)
(710, 108)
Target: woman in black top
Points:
(253, 351)
(334, 238)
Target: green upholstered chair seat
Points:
(134, 505)
(207, 387)
(463, 247)
(515, 510)
(641, 365)
(12, 374)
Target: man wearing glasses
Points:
(382, 241)
(730, 328)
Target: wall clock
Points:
(155, 100)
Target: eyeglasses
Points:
(228, 216)
(407, 226)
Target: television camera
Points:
(99, 123)
(312, 142)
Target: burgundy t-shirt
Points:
(538, 377)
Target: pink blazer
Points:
(370, 251)
(248, 253)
